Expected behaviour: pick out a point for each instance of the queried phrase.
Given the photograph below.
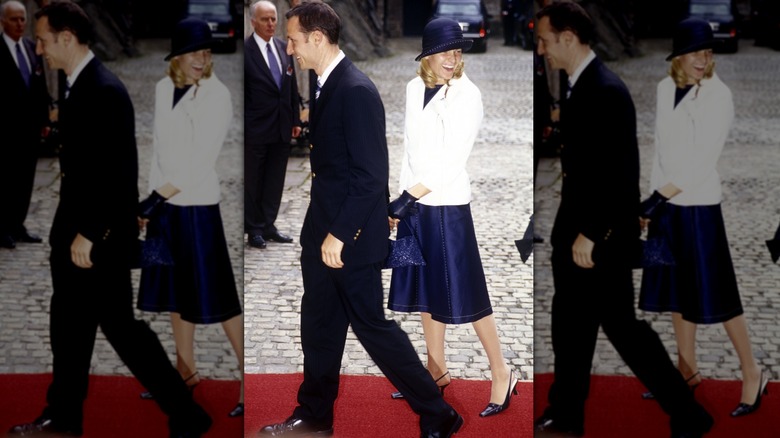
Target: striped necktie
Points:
(274, 66)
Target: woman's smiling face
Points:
(695, 64)
(443, 64)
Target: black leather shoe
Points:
(494, 408)
(238, 411)
(42, 427)
(7, 241)
(447, 428)
(744, 408)
(278, 237)
(692, 425)
(26, 237)
(294, 427)
(193, 425)
(256, 241)
(545, 426)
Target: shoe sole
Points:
(456, 426)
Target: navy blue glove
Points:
(151, 206)
(651, 206)
(403, 206)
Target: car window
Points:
(458, 9)
(207, 9)
(710, 9)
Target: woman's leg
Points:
(500, 372)
(184, 336)
(234, 329)
(434, 343)
(685, 334)
(751, 373)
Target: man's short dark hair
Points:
(569, 16)
(316, 15)
(66, 15)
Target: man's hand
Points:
(392, 223)
(582, 252)
(79, 252)
(331, 252)
(296, 131)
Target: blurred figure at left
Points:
(24, 93)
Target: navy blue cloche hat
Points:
(190, 35)
(691, 35)
(441, 35)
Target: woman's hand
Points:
(142, 223)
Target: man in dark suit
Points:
(27, 102)
(271, 119)
(93, 238)
(344, 239)
(596, 231)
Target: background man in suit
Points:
(94, 236)
(596, 230)
(344, 239)
(27, 108)
(271, 119)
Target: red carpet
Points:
(364, 408)
(615, 408)
(113, 407)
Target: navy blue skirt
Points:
(701, 285)
(200, 285)
(451, 286)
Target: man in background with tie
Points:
(271, 120)
(27, 109)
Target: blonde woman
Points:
(193, 111)
(443, 115)
(693, 117)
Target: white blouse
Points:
(188, 139)
(438, 140)
(689, 140)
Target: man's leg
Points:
(323, 336)
(255, 156)
(273, 184)
(139, 348)
(641, 348)
(574, 329)
(388, 345)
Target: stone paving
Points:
(25, 281)
(500, 168)
(751, 187)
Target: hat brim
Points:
(709, 44)
(192, 48)
(465, 45)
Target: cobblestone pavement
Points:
(751, 187)
(500, 169)
(25, 281)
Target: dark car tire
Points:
(479, 46)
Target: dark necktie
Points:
(274, 66)
(568, 89)
(23, 68)
(317, 90)
(67, 88)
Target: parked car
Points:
(473, 18)
(219, 14)
(723, 18)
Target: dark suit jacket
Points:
(600, 163)
(349, 166)
(27, 109)
(99, 164)
(269, 112)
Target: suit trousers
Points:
(332, 300)
(17, 178)
(604, 296)
(102, 296)
(265, 167)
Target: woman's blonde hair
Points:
(679, 76)
(430, 78)
(177, 75)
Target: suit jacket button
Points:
(313, 175)
(564, 174)
(311, 146)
